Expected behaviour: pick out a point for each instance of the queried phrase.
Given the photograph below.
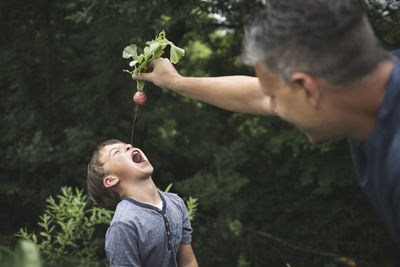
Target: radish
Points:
(139, 98)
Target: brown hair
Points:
(105, 197)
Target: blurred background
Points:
(266, 196)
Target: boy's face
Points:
(126, 162)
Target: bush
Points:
(68, 226)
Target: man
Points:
(321, 68)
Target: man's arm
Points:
(186, 257)
(233, 93)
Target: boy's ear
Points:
(110, 181)
(309, 85)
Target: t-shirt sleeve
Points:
(186, 226)
(121, 245)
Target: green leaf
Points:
(153, 46)
(235, 226)
(130, 51)
(146, 51)
(142, 66)
(176, 53)
(192, 206)
(162, 34)
(168, 187)
(140, 58)
(158, 53)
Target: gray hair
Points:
(331, 39)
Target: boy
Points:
(149, 227)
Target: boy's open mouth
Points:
(137, 157)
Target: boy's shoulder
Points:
(169, 195)
(126, 212)
(172, 197)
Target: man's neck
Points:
(361, 102)
(143, 191)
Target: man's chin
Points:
(314, 139)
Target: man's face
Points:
(295, 105)
(126, 162)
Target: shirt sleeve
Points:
(186, 226)
(121, 245)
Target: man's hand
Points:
(161, 72)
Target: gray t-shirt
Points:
(143, 235)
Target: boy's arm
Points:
(234, 93)
(186, 257)
(121, 246)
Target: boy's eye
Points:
(116, 151)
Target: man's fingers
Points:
(156, 72)
(142, 76)
(147, 74)
(151, 64)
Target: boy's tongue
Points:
(136, 157)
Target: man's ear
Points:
(309, 85)
(110, 181)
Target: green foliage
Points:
(192, 206)
(385, 18)
(154, 49)
(235, 226)
(67, 229)
(25, 254)
(168, 188)
(243, 262)
(69, 95)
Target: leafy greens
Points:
(154, 49)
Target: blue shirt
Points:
(377, 160)
(143, 235)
